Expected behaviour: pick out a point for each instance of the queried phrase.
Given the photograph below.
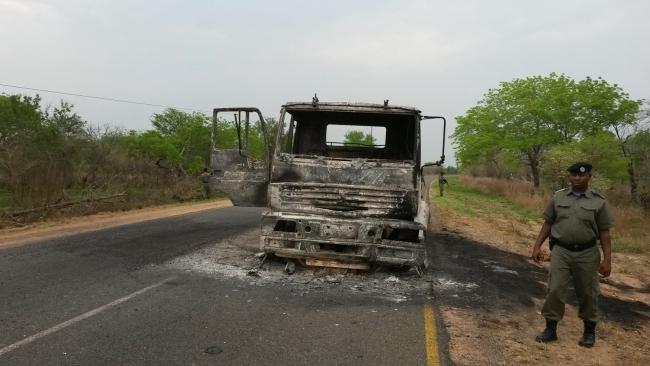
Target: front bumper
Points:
(359, 240)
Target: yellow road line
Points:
(431, 339)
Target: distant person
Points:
(441, 182)
(205, 179)
(574, 220)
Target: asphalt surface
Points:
(177, 316)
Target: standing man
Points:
(205, 179)
(575, 219)
(442, 181)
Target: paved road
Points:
(110, 298)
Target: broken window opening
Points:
(369, 135)
(355, 136)
(240, 131)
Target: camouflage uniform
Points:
(576, 221)
(205, 179)
(441, 182)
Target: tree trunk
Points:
(534, 168)
(633, 185)
(533, 160)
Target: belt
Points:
(571, 247)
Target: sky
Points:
(438, 56)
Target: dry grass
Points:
(632, 226)
(519, 192)
(632, 230)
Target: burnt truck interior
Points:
(310, 133)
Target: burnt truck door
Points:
(241, 171)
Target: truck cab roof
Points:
(350, 107)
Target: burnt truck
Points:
(333, 203)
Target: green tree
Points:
(600, 149)
(358, 138)
(21, 119)
(154, 146)
(168, 122)
(272, 126)
(180, 142)
(226, 135)
(603, 152)
(40, 149)
(524, 118)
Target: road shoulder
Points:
(42, 231)
(490, 295)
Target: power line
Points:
(102, 98)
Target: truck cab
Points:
(334, 202)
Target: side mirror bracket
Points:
(444, 132)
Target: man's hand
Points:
(605, 268)
(544, 233)
(538, 255)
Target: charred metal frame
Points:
(444, 134)
(243, 179)
(348, 207)
(379, 217)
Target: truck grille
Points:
(362, 201)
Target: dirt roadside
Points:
(47, 230)
(490, 295)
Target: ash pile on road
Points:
(239, 258)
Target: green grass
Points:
(475, 202)
(471, 201)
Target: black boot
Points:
(589, 336)
(549, 334)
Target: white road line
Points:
(68, 323)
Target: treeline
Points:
(532, 129)
(435, 170)
(50, 154)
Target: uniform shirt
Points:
(205, 177)
(578, 219)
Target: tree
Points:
(600, 149)
(99, 144)
(180, 142)
(20, 121)
(272, 126)
(168, 122)
(154, 146)
(358, 138)
(639, 153)
(40, 149)
(626, 130)
(524, 118)
(451, 170)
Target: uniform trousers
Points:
(582, 266)
(206, 190)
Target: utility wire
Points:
(109, 99)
